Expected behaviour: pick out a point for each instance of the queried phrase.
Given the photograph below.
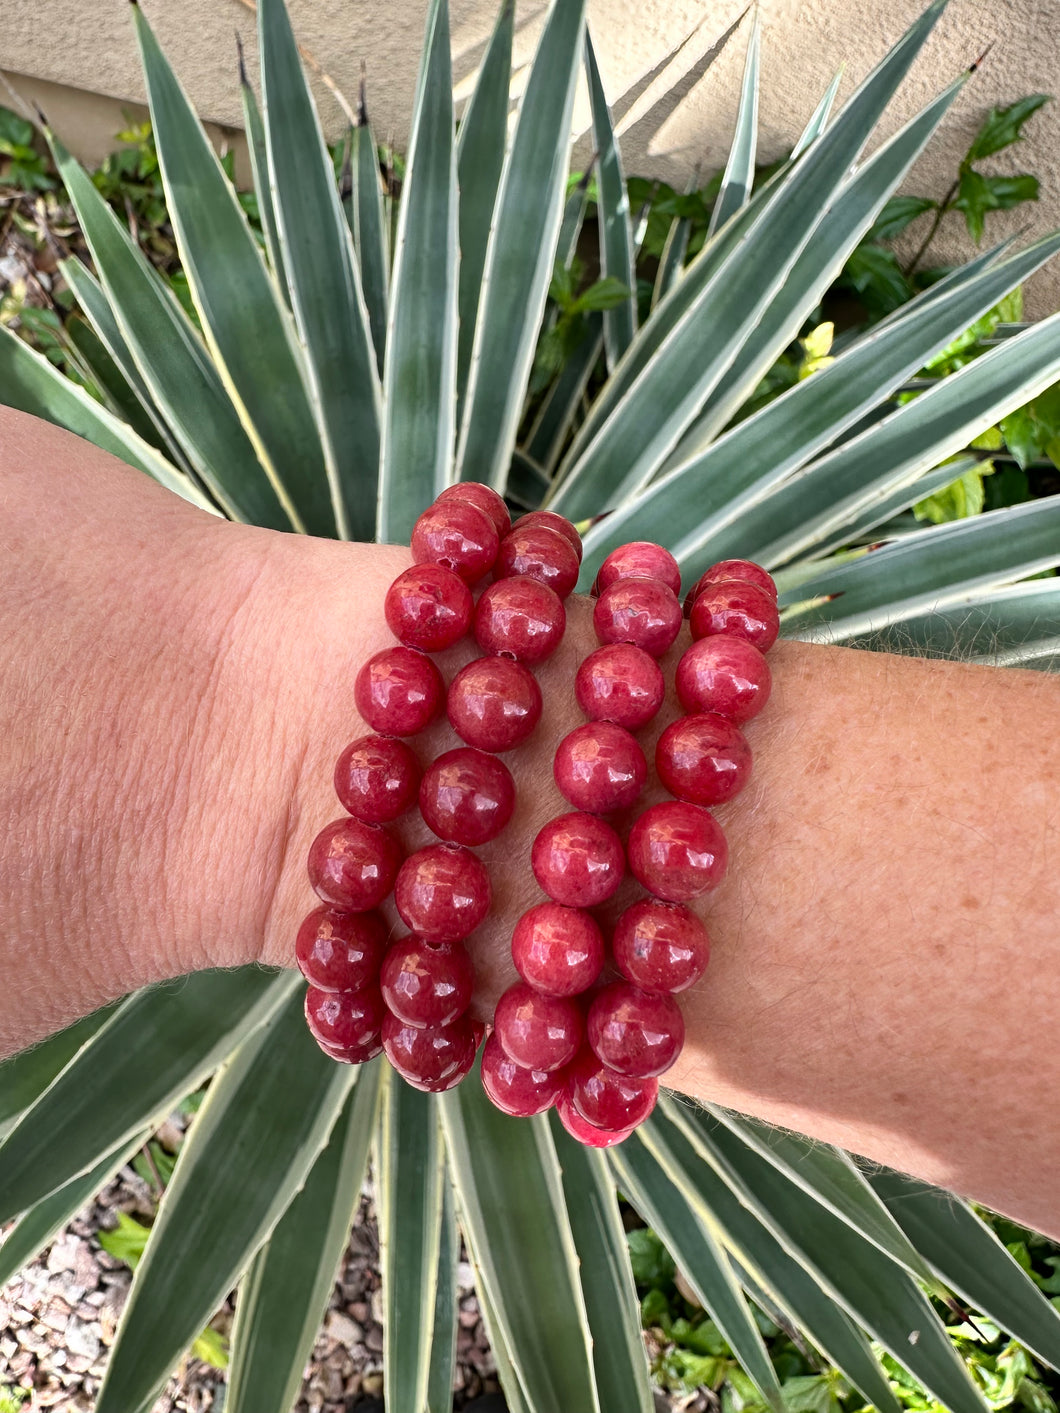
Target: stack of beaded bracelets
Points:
(574, 1032)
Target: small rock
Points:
(55, 1315)
(83, 1339)
(465, 1276)
(377, 1306)
(373, 1339)
(359, 1310)
(342, 1328)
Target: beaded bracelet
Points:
(591, 1025)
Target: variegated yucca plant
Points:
(333, 386)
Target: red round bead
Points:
(600, 767)
(337, 951)
(467, 796)
(398, 692)
(703, 759)
(353, 865)
(513, 1088)
(539, 553)
(484, 498)
(536, 1031)
(639, 611)
(578, 860)
(377, 778)
(558, 950)
(634, 1032)
(607, 1099)
(520, 618)
(346, 1025)
(431, 1058)
(737, 609)
(743, 570)
(724, 675)
(428, 607)
(640, 559)
(494, 703)
(677, 851)
(442, 892)
(660, 946)
(620, 683)
(551, 521)
(459, 536)
(427, 983)
(584, 1131)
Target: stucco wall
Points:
(677, 110)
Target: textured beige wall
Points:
(676, 107)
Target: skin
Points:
(174, 691)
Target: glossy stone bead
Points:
(494, 703)
(353, 865)
(377, 778)
(536, 1031)
(660, 946)
(743, 570)
(725, 675)
(485, 498)
(677, 851)
(426, 983)
(467, 796)
(539, 553)
(399, 692)
(559, 951)
(634, 1032)
(442, 892)
(459, 536)
(347, 1025)
(428, 607)
(584, 1131)
(737, 609)
(703, 759)
(607, 1099)
(639, 611)
(599, 767)
(520, 618)
(338, 951)
(620, 683)
(431, 1058)
(513, 1088)
(640, 559)
(578, 860)
(551, 521)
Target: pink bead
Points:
(743, 570)
(599, 767)
(677, 851)
(484, 498)
(398, 692)
(427, 983)
(578, 860)
(433, 1058)
(442, 892)
(346, 1026)
(558, 950)
(538, 1032)
(494, 703)
(549, 520)
(353, 865)
(585, 1132)
(539, 553)
(620, 683)
(457, 535)
(519, 618)
(639, 611)
(377, 778)
(640, 560)
(737, 609)
(337, 951)
(428, 607)
(514, 1089)
(724, 675)
(703, 759)
(634, 1032)
(606, 1099)
(467, 796)
(660, 946)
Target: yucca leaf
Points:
(977, 623)
(24, 1077)
(369, 226)
(443, 1335)
(739, 173)
(521, 250)
(102, 378)
(419, 383)
(155, 1047)
(570, 228)
(616, 235)
(259, 170)
(607, 1280)
(410, 1174)
(879, 510)
(515, 1224)
(322, 276)
(264, 1122)
(819, 117)
(515, 1396)
(288, 1284)
(560, 404)
(672, 259)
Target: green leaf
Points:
(446, 1310)
(212, 1348)
(878, 278)
(979, 194)
(24, 1077)
(556, 414)
(955, 501)
(652, 1264)
(15, 132)
(369, 228)
(616, 235)
(740, 168)
(899, 212)
(259, 167)
(1002, 126)
(605, 294)
(127, 1241)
